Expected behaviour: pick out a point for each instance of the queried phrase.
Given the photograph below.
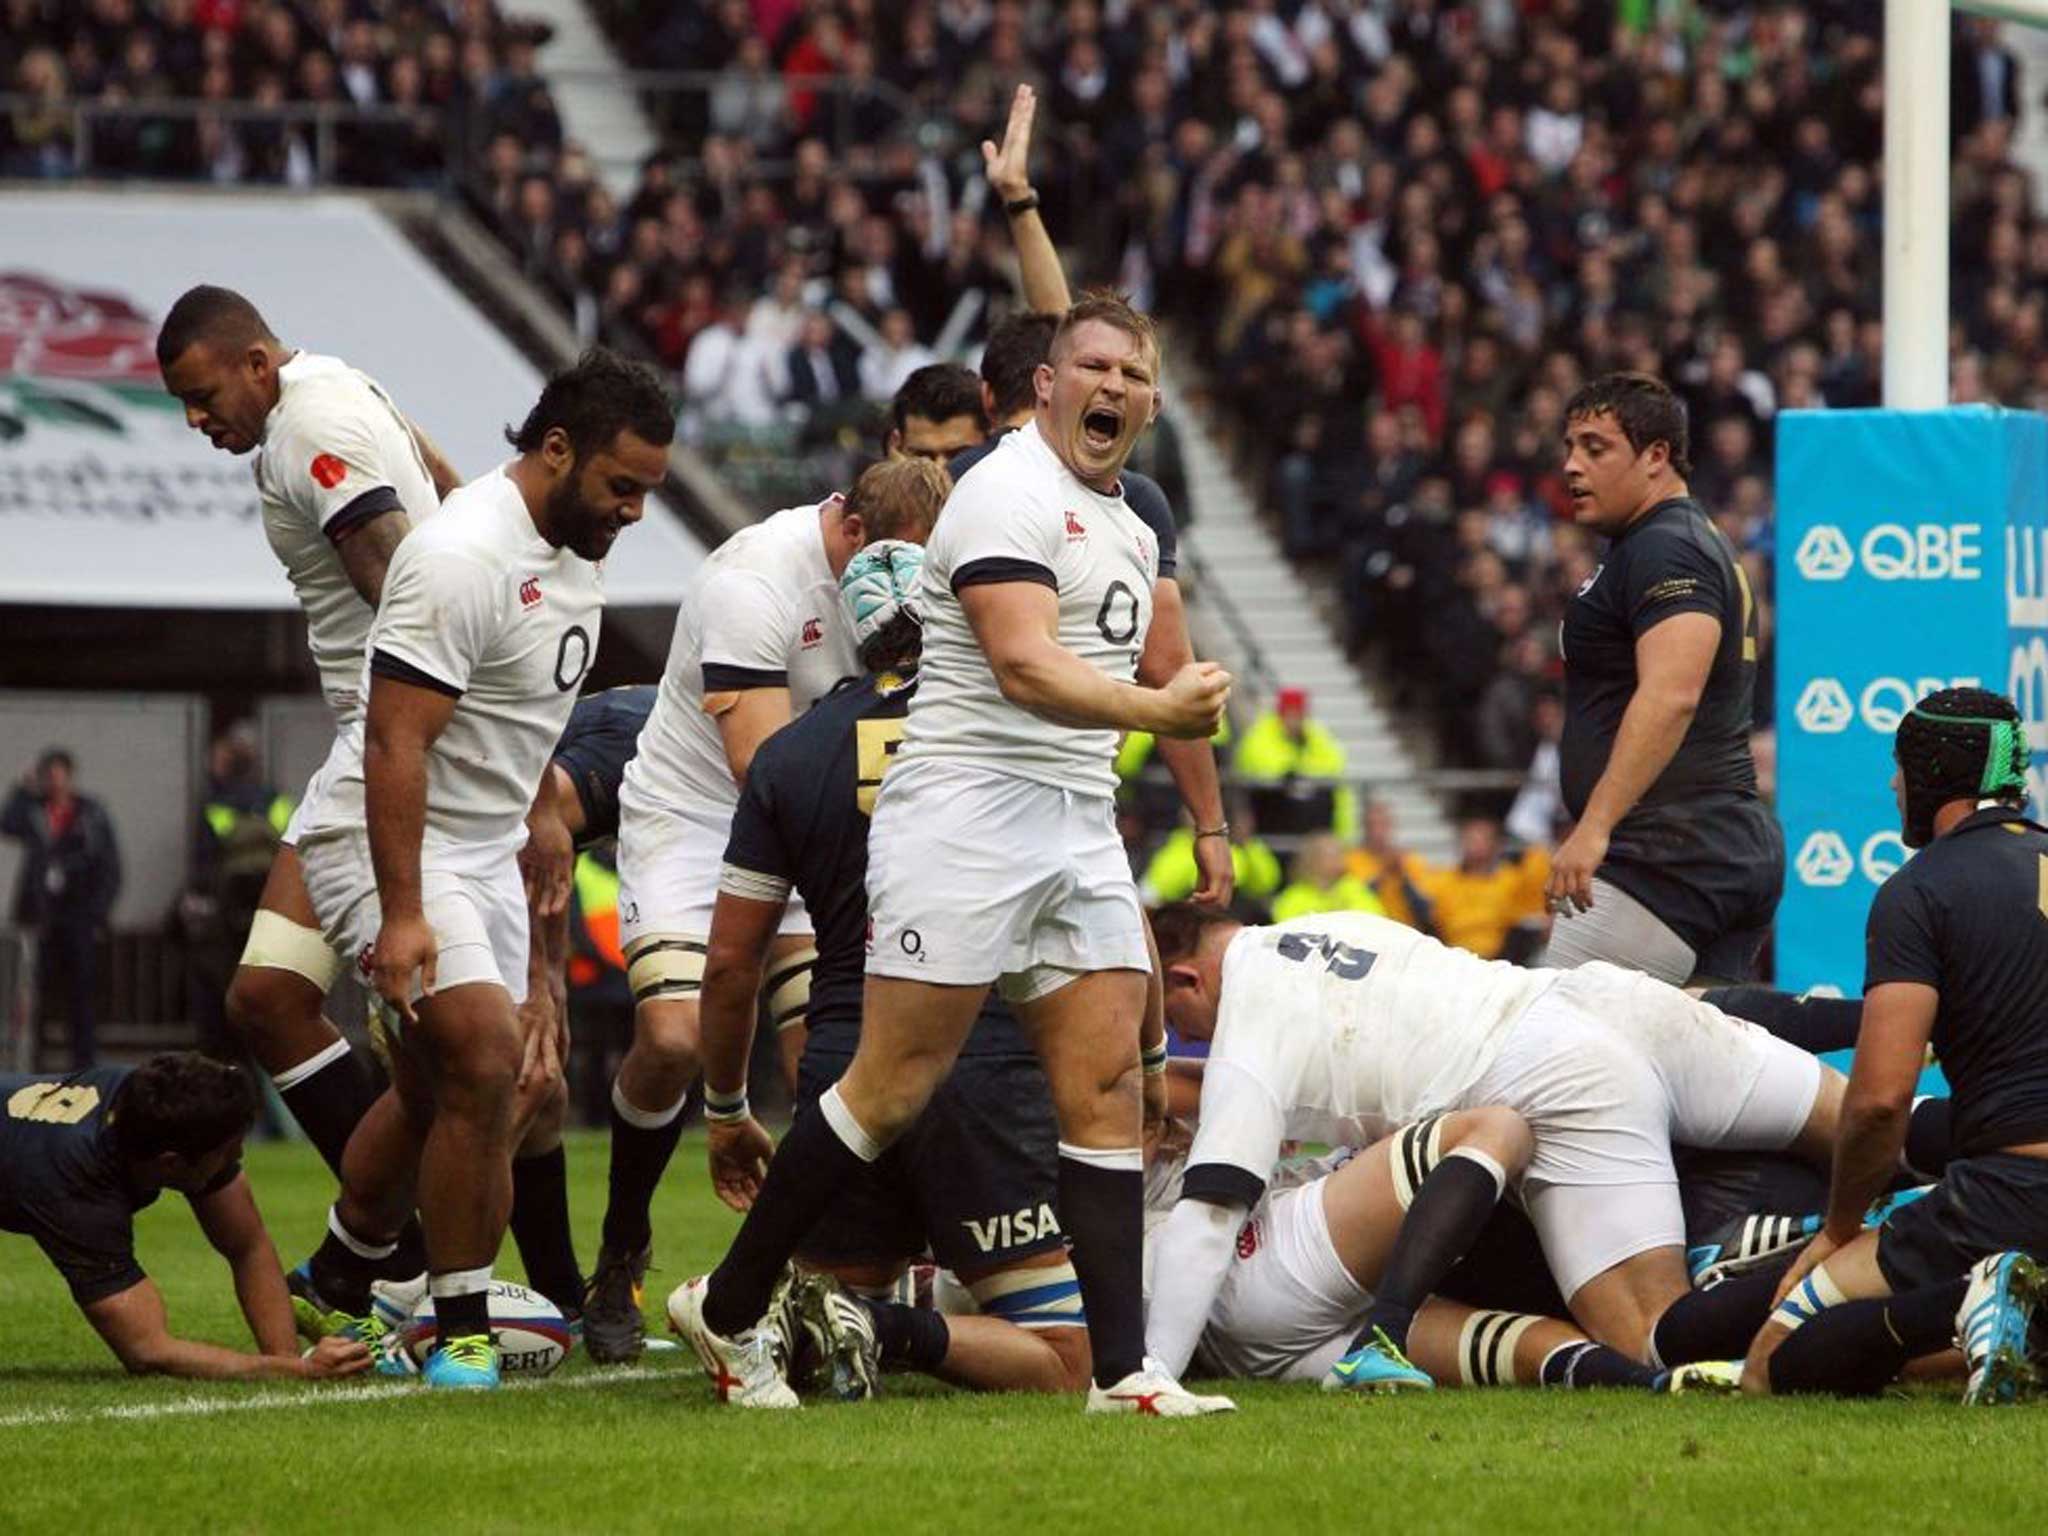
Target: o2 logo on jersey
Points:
(572, 657)
(813, 634)
(327, 471)
(529, 592)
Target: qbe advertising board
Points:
(1912, 555)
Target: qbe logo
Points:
(1825, 862)
(1894, 552)
(1826, 709)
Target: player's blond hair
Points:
(899, 498)
(1110, 307)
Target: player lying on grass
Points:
(1341, 1027)
(1957, 948)
(1349, 1246)
(80, 1155)
(976, 1177)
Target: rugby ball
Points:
(533, 1337)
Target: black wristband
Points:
(1023, 204)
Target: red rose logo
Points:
(328, 471)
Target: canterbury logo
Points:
(1074, 528)
(529, 591)
(814, 632)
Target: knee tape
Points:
(1808, 1299)
(277, 943)
(1486, 1347)
(1035, 1296)
(666, 968)
(1418, 1148)
(789, 988)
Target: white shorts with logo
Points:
(978, 877)
(1288, 1308)
(1610, 1068)
(478, 918)
(668, 874)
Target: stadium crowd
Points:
(1399, 232)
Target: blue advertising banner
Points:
(1912, 554)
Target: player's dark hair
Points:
(1959, 744)
(181, 1102)
(54, 755)
(899, 498)
(939, 392)
(1016, 346)
(1645, 409)
(896, 647)
(206, 313)
(1177, 929)
(603, 395)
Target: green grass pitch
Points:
(83, 1448)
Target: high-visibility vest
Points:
(597, 903)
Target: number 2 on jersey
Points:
(875, 746)
(1346, 962)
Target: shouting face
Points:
(1096, 394)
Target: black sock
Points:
(540, 1226)
(1812, 1023)
(1927, 1139)
(342, 1271)
(1442, 1222)
(807, 1173)
(1856, 1347)
(329, 1100)
(409, 1259)
(1718, 1324)
(640, 1154)
(1102, 1207)
(910, 1338)
(1586, 1364)
(459, 1316)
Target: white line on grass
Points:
(313, 1397)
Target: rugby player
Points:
(80, 1155)
(1675, 863)
(1344, 1026)
(993, 856)
(974, 1181)
(489, 623)
(939, 412)
(1331, 1231)
(1957, 956)
(761, 636)
(1017, 347)
(342, 475)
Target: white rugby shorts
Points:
(1611, 1067)
(978, 877)
(1288, 1308)
(668, 874)
(478, 917)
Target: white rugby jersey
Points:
(1341, 1028)
(763, 612)
(1020, 514)
(479, 606)
(335, 452)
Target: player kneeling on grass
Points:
(976, 1177)
(1957, 948)
(80, 1155)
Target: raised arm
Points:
(1009, 176)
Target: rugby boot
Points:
(1992, 1327)
(750, 1370)
(1377, 1367)
(614, 1329)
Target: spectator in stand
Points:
(1538, 817)
(1488, 902)
(1293, 769)
(895, 355)
(1392, 875)
(70, 875)
(1321, 883)
(822, 368)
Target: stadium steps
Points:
(1253, 611)
(608, 122)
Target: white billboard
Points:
(107, 499)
